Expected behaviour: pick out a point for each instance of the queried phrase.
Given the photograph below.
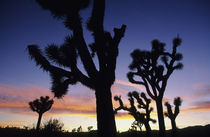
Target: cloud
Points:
(125, 83)
(195, 100)
(201, 90)
(197, 91)
(15, 121)
(201, 104)
(198, 106)
(14, 99)
(21, 94)
(74, 105)
(12, 123)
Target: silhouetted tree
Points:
(134, 126)
(144, 104)
(73, 130)
(41, 106)
(89, 128)
(140, 118)
(105, 47)
(154, 68)
(79, 129)
(172, 115)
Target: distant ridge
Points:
(191, 131)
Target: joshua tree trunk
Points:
(39, 121)
(105, 114)
(173, 123)
(148, 129)
(147, 126)
(160, 117)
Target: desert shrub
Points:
(53, 125)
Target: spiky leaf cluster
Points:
(41, 105)
(60, 77)
(65, 54)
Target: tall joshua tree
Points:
(105, 47)
(141, 118)
(172, 115)
(154, 69)
(41, 106)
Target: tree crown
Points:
(41, 105)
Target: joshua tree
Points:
(140, 118)
(172, 115)
(79, 129)
(104, 47)
(89, 128)
(134, 126)
(154, 69)
(73, 130)
(41, 106)
(144, 104)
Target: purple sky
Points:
(23, 22)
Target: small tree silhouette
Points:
(89, 128)
(154, 73)
(73, 130)
(144, 104)
(105, 47)
(134, 126)
(79, 129)
(140, 118)
(172, 115)
(41, 106)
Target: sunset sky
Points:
(23, 22)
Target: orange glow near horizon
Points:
(15, 123)
(73, 108)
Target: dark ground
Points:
(195, 131)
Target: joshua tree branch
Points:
(83, 50)
(111, 65)
(95, 24)
(176, 111)
(121, 107)
(54, 69)
(150, 80)
(97, 18)
(157, 86)
(130, 76)
(118, 34)
(41, 61)
(89, 82)
(148, 90)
